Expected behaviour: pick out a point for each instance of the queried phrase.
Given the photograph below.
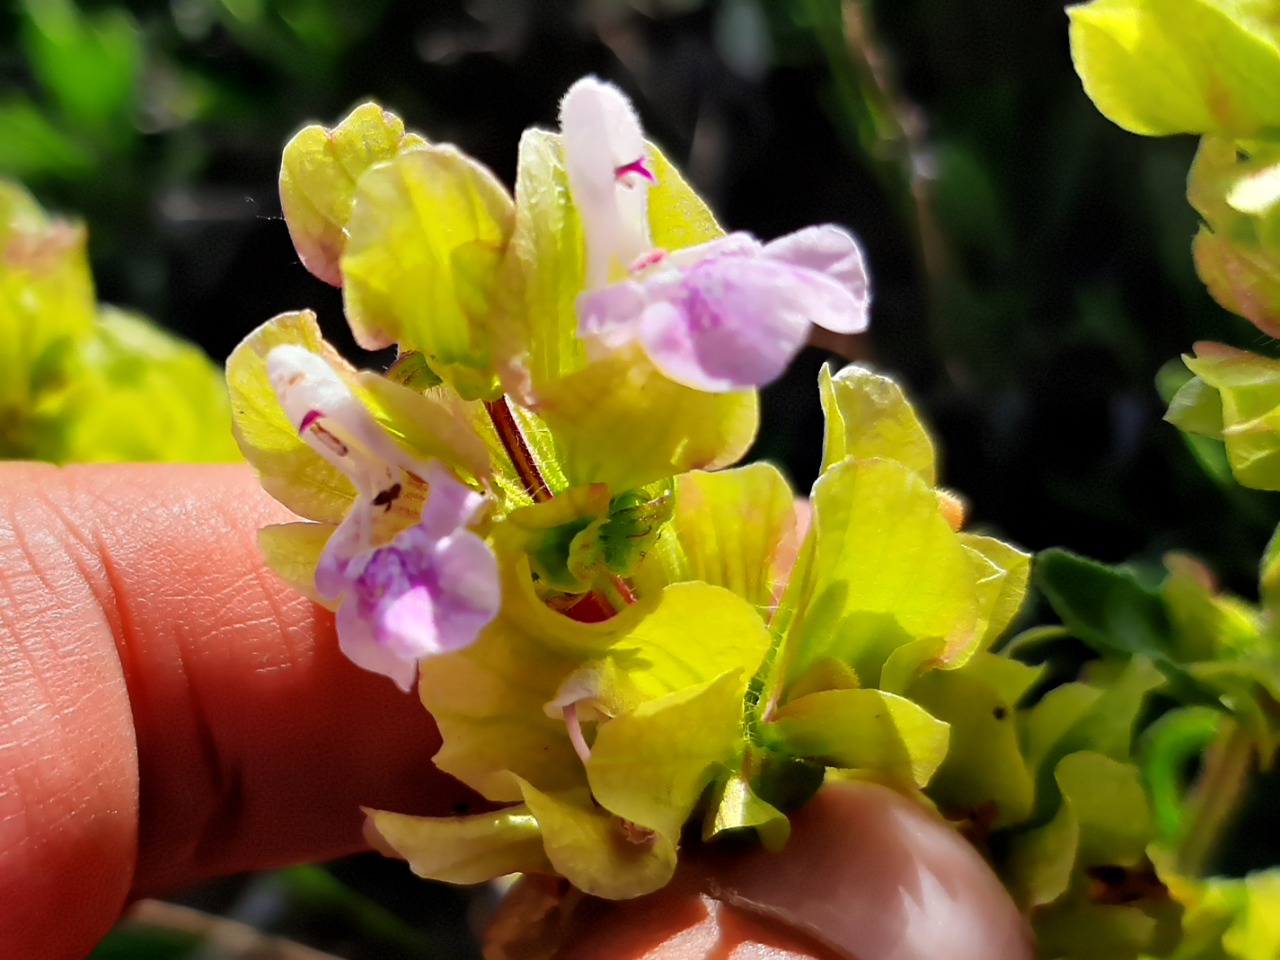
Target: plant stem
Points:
(1214, 797)
(504, 423)
(614, 593)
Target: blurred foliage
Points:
(1031, 262)
(81, 382)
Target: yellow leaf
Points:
(318, 175)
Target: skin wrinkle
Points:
(66, 810)
(110, 756)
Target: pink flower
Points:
(733, 313)
(431, 590)
(434, 586)
(725, 315)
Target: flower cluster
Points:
(533, 511)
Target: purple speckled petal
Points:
(833, 253)
(406, 623)
(430, 590)
(738, 324)
(358, 641)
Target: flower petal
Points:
(605, 157)
(835, 254)
(332, 420)
(469, 590)
(610, 314)
(450, 504)
(406, 624)
(359, 643)
(354, 535)
(738, 324)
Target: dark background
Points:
(1030, 262)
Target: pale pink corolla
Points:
(609, 176)
(434, 586)
(732, 314)
(724, 315)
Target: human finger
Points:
(169, 709)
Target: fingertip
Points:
(878, 877)
(868, 875)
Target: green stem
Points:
(1214, 797)
(504, 424)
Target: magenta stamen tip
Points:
(635, 166)
(311, 417)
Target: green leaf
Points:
(1098, 715)
(1207, 625)
(886, 569)
(547, 531)
(728, 527)
(32, 145)
(1109, 608)
(469, 849)
(984, 773)
(428, 424)
(617, 543)
(593, 850)
(670, 428)
(1249, 388)
(534, 332)
(318, 176)
(1269, 575)
(1166, 750)
(427, 232)
(1108, 802)
(1180, 66)
(735, 806)
(651, 766)
(289, 470)
(141, 393)
(1196, 408)
(695, 633)
(1254, 933)
(867, 415)
(864, 730)
(90, 64)
(678, 217)
(1092, 931)
(488, 700)
(1103, 820)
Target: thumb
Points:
(868, 874)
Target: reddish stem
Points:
(504, 423)
(594, 607)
